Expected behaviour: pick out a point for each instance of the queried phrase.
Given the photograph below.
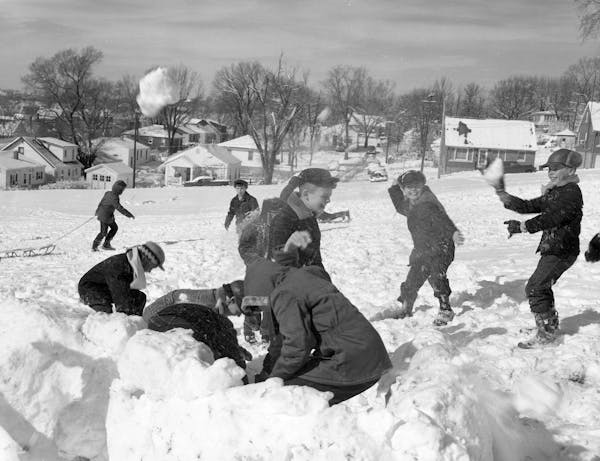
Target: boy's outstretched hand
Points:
(513, 227)
(458, 238)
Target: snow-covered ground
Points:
(74, 383)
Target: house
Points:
(103, 176)
(209, 160)
(60, 163)
(156, 137)
(472, 143)
(543, 119)
(245, 150)
(19, 173)
(112, 150)
(587, 141)
(216, 132)
(563, 139)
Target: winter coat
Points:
(295, 216)
(240, 208)
(559, 218)
(116, 274)
(320, 335)
(110, 202)
(430, 227)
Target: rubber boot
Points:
(445, 314)
(546, 329)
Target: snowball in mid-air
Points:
(157, 90)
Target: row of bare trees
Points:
(282, 110)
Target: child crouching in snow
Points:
(204, 312)
(118, 280)
(434, 237)
(559, 210)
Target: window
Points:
(39, 175)
(521, 156)
(108, 179)
(95, 177)
(24, 179)
(250, 155)
(461, 154)
(13, 179)
(69, 173)
(101, 177)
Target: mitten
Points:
(513, 227)
(592, 254)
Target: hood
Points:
(118, 187)
(262, 276)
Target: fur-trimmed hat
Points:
(153, 252)
(566, 157)
(240, 183)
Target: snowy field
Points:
(75, 384)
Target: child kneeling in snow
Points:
(203, 312)
(320, 339)
(559, 216)
(434, 237)
(118, 280)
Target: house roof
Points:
(154, 131)
(564, 133)
(199, 155)
(57, 142)
(10, 163)
(37, 146)
(117, 167)
(109, 144)
(243, 142)
(491, 134)
(594, 109)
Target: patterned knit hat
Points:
(153, 252)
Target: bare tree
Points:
(189, 94)
(514, 98)
(344, 86)
(314, 115)
(420, 114)
(589, 18)
(472, 102)
(82, 104)
(267, 101)
(376, 100)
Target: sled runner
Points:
(28, 252)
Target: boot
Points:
(108, 246)
(445, 314)
(405, 308)
(250, 337)
(546, 329)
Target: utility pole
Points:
(443, 161)
(135, 135)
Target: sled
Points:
(28, 252)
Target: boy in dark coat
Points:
(321, 339)
(434, 237)
(559, 213)
(118, 280)
(241, 205)
(106, 215)
(204, 312)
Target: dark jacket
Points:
(321, 336)
(559, 218)
(429, 225)
(110, 202)
(116, 274)
(240, 208)
(292, 217)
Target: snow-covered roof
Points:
(565, 133)
(491, 134)
(243, 142)
(594, 109)
(117, 167)
(10, 163)
(38, 147)
(154, 131)
(202, 155)
(57, 142)
(110, 144)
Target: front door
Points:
(482, 158)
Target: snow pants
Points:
(107, 232)
(99, 298)
(432, 268)
(340, 392)
(539, 286)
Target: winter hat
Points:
(317, 176)
(240, 183)
(411, 178)
(566, 157)
(153, 252)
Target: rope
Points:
(73, 230)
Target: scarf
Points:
(551, 185)
(139, 275)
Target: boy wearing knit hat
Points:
(558, 216)
(118, 280)
(434, 237)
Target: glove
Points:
(513, 227)
(592, 255)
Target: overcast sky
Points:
(411, 42)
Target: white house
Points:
(245, 150)
(60, 163)
(104, 175)
(209, 160)
(470, 143)
(19, 173)
(121, 150)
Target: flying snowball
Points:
(494, 173)
(157, 90)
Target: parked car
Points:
(515, 167)
(378, 176)
(206, 181)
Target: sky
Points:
(410, 42)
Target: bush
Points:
(79, 184)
